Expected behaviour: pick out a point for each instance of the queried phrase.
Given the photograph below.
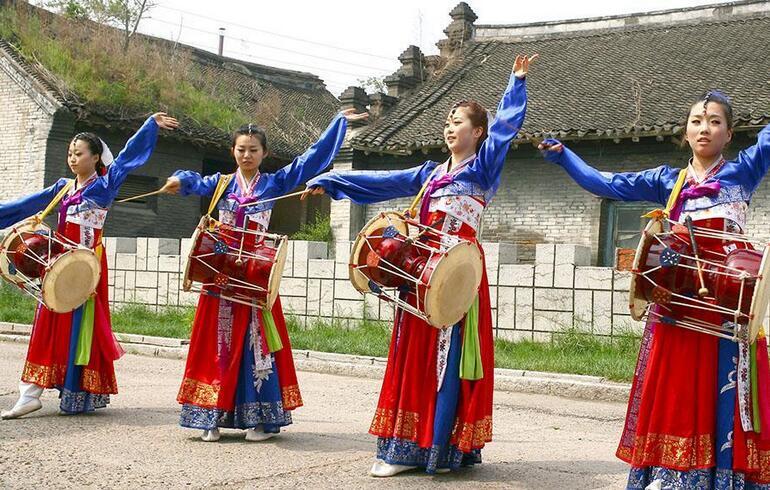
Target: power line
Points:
(274, 47)
(251, 28)
(290, 63)
(273, 60)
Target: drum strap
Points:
(672, 198)
(58, 197)
(412, 211)
(222, 184)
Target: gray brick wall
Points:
(537, 202)
(24, 127)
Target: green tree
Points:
(123, 14)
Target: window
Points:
(135, 185)
(621, 227)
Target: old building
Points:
(615, 89)
(39, 115)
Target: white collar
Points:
(247, 187)
(86, 182)
(460, 165)
(692, 173)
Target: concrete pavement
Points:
(540, 441)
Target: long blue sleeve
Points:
(648, 185)
(315, 160)
(756, 158)
(508, 120)
(194, 183)
(14, 211)
(370, 186)
(135, 154)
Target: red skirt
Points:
(50, 344)
(407, 402)
(211, 374)
(676, 416)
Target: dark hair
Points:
(94, 146)
(716, 97)
(478, 116)
(251, 130)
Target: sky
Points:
(346, 41)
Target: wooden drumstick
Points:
(261, 201)
(141, 196)
(703, 291)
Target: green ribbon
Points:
(272, 338)
(471, 368)
(754, 388)
(86, 336)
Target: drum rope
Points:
(58, 197)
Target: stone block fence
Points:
(529, 301)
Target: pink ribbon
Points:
(248, 196)
(72, 200)
(707, 189)
(433, 186)
(240, 213)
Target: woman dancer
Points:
(435, 407)
(240, 371)
(74, 352)
(688, 425)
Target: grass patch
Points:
(367, 338)
(15, 305)
(18, 307)
(91, 62)
(140, 320)
(573, 352)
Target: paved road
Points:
(540, 442)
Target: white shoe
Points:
(210, 435)
(381, 469)
(257, 434)
(21, 410)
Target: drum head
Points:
(361, 248)
(9, 243)
(274, 282)
(201, 228)
(453, 285)
(636, 302)
(760, 299)
(70, 281)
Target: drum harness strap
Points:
(222, 184)
(55, 201)
(412, 210)
(672, 198)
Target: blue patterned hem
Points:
(73, 402)
(245, 416)
(408, 453)
(707, 479)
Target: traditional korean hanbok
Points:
(240, 371)
(699, 412)
(74, 352)
(435, 407)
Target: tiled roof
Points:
(304, 106)
(631, 82)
